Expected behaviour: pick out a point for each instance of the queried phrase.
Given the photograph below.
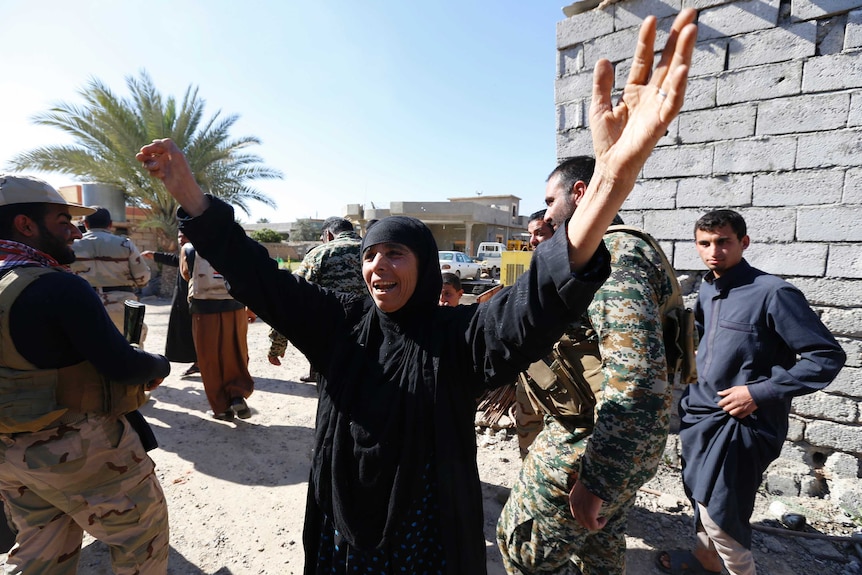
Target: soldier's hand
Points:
(148, 254)
(585, 507)
(273, 359)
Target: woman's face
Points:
(391, 272)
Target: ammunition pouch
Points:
(34, 400)
(565, 384)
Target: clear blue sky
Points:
(355, 102)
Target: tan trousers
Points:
(92, 476)
(737, 559)
(222, 349)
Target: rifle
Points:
(133, 320)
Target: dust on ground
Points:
(236, 490)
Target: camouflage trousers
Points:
(91, 476)
(536, 531)
(113, 302)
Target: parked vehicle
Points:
(459, 264)
(488, 255)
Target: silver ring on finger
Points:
(662, 94)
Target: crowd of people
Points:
(398, 364)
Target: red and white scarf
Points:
(15, 254)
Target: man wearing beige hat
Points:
(72, 445)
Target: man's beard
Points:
(54, 246)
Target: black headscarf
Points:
(377, 420)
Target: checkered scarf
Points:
(14, 254)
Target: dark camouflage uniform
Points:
(337, 265)
(536, 529)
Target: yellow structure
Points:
(512, 265)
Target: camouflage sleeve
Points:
(633, 413)
(277, 344)
(309, 268)
(138, 268)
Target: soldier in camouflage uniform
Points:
(336, 264)
(73, 450)
(112, 264)
(567, 511)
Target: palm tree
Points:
(108, 131)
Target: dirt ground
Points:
(236, 491)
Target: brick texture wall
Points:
(771, 127)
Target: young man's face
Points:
(540, 230)
(56, 234)
(449, 296)
(720, 249)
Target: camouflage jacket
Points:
(108, 260)
(336, 265)
(633, 413)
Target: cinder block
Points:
(835, 436)
(671, 224)
(709, 57)
(845, 261)
(853, 349)
(829, 224)
(755, 155)
(700, 94)
(795, 428)
(795, 188)
(737, 18)
(616, 47)
(574, 143)
(788, 259)
(685, 256)
(570, 60)
(715, 192)
(809, 9)
(773, 45)
(846, 322)
(726, 122)
(628, 14)
(759, 83)
(571, 115)
(830, 291)
(680, 161)
(824, 406)
(652, 194)
(583, 27)
(853, 186)
(832, 72)
(843, 466)
(847, 382)
(767, 225)
(834, 148)
(807, 113)
(633, 217)
(573, 88)
(853, 30)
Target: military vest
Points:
(32, 399)
(205, 282)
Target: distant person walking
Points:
(220, 332)
(180, 345)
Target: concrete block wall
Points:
(771, 127)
